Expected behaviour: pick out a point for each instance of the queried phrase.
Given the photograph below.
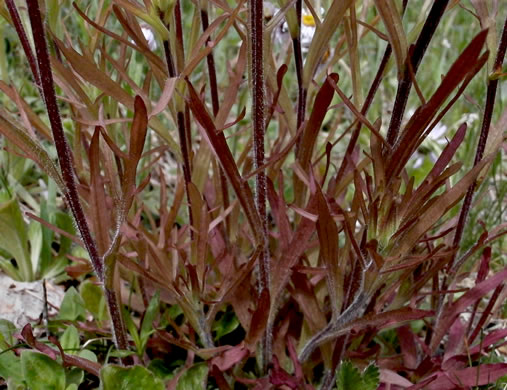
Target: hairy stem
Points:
(256, 34)
(65, 159)
(483, 138)
(20, 30)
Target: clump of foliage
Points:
(244, 216)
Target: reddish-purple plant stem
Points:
(180, 122)
(64, 154)
(169, 59)
(485, 314)
(213, 85)
(298, 61)
(483, 138)
(405, 84)
(257, 69)
(256, 35)
(180, 57)
(20, 30)
(212, 74)
(367, 103)
(65, 159)
(184, 119)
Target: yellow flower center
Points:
(308, 20)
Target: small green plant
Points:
(349, 377)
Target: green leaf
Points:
(149, 316)
(46, 238)
(132, 329)
(226, 324)
(7, 330)
(349, 377)
(129, 378)
(14, 237)
(66, 223)
(163, 370)
(10, 367)
(194, 378)
(73, 376)
(69, 340)
(35, 239)
(87, 354)
(371, 377)
(72, 307)
(41, 372)
(94, 300)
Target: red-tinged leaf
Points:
(165, 97)
(303, 293)
(138, 133)
(56, 229)
(259, 320)
(392, 378)
(279, 79)
(456, 339)
(388, 318)
(154, 59)
(282, 269)
(488, 341)
(223, 154)
(70, 360)
(432, 256)
(425, 113)
(473, 376)
(280, 377)
(219, 378)
(279, 210)
(27, 335)
(444, 159)
(419, 202)
(276, 157)
(298, 369)
(486, 312)
(437, 210)
(230, 357)
(446, 155)
(360, 117)
(305, 151)
(114, 148)
(329, 250)
(200, 49)
(408, 345)
(260, 383)
(378, 162)
(231, 93)
(473, 295)
(235, 121)
(484, 266)
(89, 71)
(139, 129)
